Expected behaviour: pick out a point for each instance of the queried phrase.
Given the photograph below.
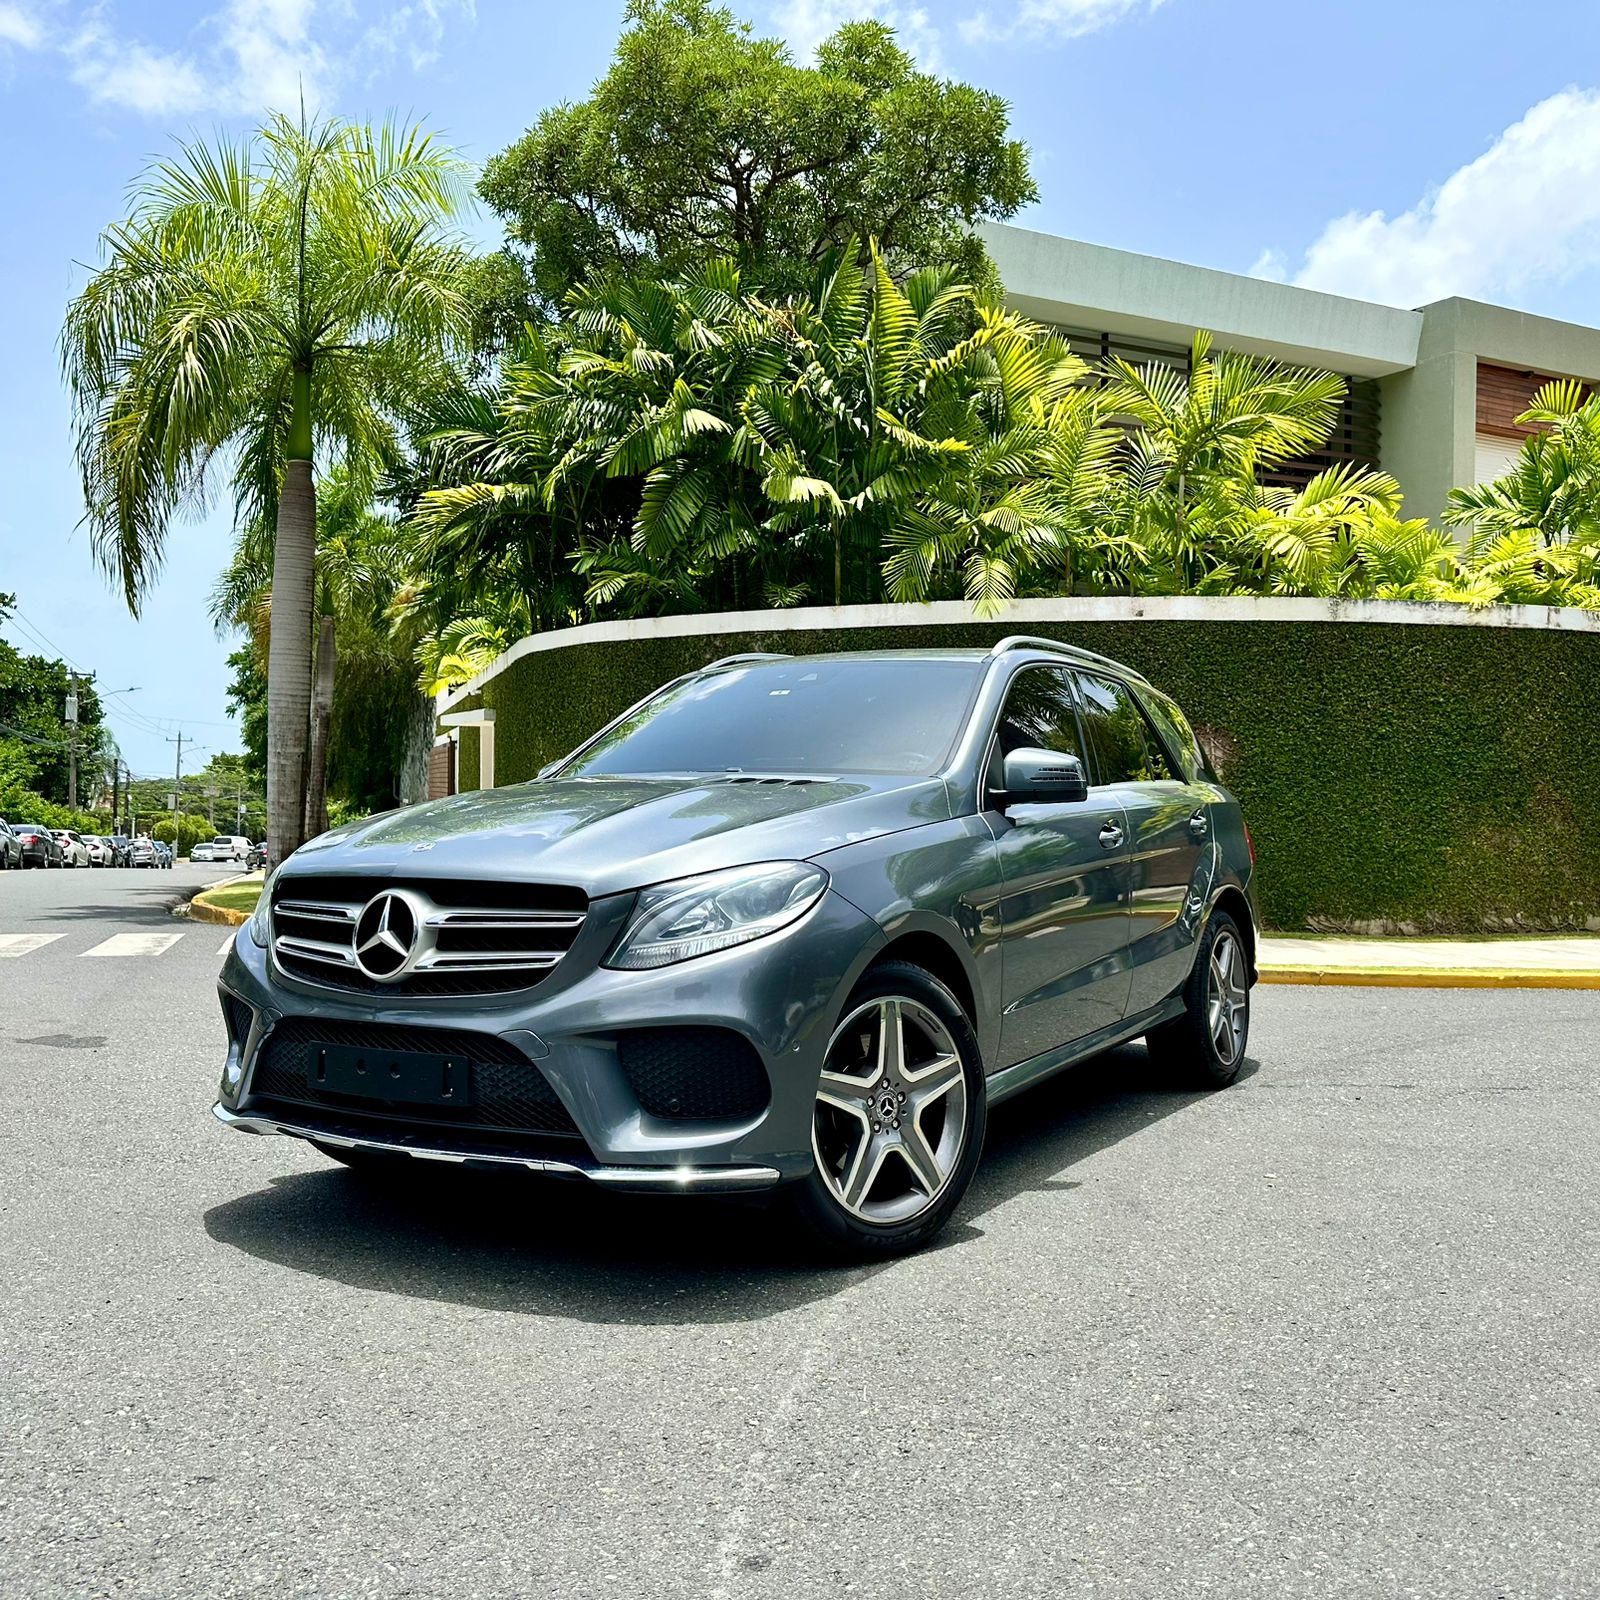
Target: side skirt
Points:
(1024, 1074)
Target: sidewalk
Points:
(1568, 963)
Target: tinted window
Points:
(1125, 746)
(1180, 737)
(1040, 713)
(818, 715)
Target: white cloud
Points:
(415, 30)
(253, 54)
(19, 27)
(246, 56)
(1526, 211)
(1060, 19)
(806, 23)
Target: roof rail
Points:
(747, 655)
(1032, 641)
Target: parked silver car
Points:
(789, 923)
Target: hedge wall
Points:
(1409, 778)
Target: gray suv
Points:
(789, 923)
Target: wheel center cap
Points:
(888, 1106)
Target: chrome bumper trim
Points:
(675, 1180)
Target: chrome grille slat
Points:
(315, 949)
(465, 941)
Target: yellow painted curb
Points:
(200, 910)
(1439, 977)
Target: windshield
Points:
(898, 715)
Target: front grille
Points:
(507, 1090)
(694, 1074)
(465, 937)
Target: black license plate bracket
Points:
(409, 1077)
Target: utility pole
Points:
(177, 784)
(72, 740)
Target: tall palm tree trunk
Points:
(289, 653)
(321, 715)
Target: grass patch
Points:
(233, 896)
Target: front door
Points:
(1064, 906)
(1168, 836)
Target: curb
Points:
(1437, 977)
(198, 911)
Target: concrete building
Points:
(1434, 392)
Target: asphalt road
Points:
(1332, 1332)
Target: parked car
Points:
(40, 847)
(257, 859)
(165, 854)
(144, 852)
(203, 850)
(230, 847)
(101, 851)
(74, 852)
(123, 846)
(10, 847)
(788, 924)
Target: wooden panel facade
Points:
(442, 769)
(1504, 393)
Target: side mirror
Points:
(1044, 777)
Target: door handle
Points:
(1199, 824)
(1110, 836)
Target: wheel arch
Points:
(1232, 899)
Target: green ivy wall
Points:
(1427, 778)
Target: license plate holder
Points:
(410, 1077)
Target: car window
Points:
(803, 714)
(1039, 714)
(1125, 746)
(1178, 735)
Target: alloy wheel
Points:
(1227, 998)
(891, 1112)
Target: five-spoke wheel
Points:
(897, 1125)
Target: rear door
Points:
(1064, 908)
(1168, 835)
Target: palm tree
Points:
(1553, 487)
(269, 302)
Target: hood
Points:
(608, 834)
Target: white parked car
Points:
(228, 847)
(102, 853)
(74, 852)
(205, 850)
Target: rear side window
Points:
(1125, 746)
(1178, 735)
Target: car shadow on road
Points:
(547, 1248)
(145, 902)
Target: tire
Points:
(1200, 1048)
(939, 1052)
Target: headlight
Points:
(259, 923)
(694, 916)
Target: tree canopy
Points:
(704, 140)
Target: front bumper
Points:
(781, 994)
(655, 1180)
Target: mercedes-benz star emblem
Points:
(386, 936)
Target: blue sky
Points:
(1399, 151)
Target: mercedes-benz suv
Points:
(789, 923)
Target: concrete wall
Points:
(1115, 291)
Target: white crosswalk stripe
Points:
(135, 944)
(19, 944)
